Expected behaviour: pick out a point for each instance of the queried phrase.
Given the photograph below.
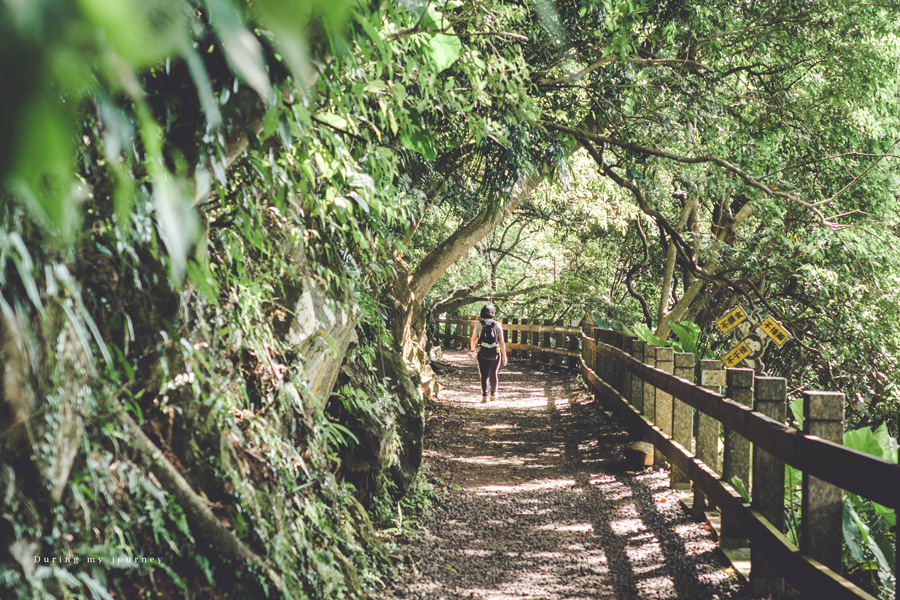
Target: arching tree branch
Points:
(635, 270)
(748, 179)
(465, 237)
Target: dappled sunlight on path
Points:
(538, 503)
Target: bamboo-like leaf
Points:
(242, 49)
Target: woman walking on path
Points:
(488, 345)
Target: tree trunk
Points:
(436, 263)
(411, 288)
(690, 295)
(669, 273)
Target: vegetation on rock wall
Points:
(224, 226)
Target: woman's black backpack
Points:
(489, 339)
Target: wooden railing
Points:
(652, 391)
(543, 340)
(752, 412)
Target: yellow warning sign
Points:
(774, 330)
(736, 355)
(731, 320)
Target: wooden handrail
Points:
(519, 326)
(805, 573)
(863, 474)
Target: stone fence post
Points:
(736, 459)
(637, 384)
(682, 417)
(712, 377)
(822, 504)
(665, 361)
(768, 485)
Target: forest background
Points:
(226, 228)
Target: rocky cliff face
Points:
(323, 326)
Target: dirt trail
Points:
(539, 504)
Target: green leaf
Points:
(97, 589)
(203, 85)
(375, 86)
(141, 31)
(204, 281)
(418, 140)
(336, 121)
(883, 436)
(290, 21)
(689, 335)
(796, 407)
(877, 443)
(43, 166)
(853, 535)
(242, 49)
(860, 534)
(270, 121)
(738, 484)
(645, 333)
(24, 267)
(177, 220)
(443, 50)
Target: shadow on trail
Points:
(541, 506)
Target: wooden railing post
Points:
(589, 354)
(637, 384)
(618, 341)
(607, 367)
(505, 323)
(584, 345)
(546, 357)
(821, 505)
(736, 460)
(587, 347)
(559, 342)
(513, 338)
(585, 325)
(535, 339)
(598, 363)
(649, 390)
(547, 341)
(768, 485)
(712, 377)
(682, 417)
(593, 357)
(665, 361)
(627, 348)
(573, 345)
(466, 332)
(520, 337)
(612, 368)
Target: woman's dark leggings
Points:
(489, 369)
